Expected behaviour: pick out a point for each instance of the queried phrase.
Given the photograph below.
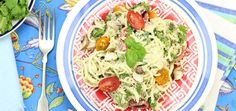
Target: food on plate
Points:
(11, 10)
(133, 55)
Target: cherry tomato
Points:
(163, 78)
(135, 20)
(152, 14)
(109, 84)
(102, 43)
(120, 8)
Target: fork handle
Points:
(45, 59)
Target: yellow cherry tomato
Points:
(152, 14)
(102, 43)
(120, 8)
(163, 78)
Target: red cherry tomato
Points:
(109, 84)
(135, 20)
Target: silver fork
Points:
(45, 45)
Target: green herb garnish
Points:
(171, 27)
(152, 104)
(135, 52)
(130, 30)
(182, 34)
(139, 88)
(108, 18)
(123, 75)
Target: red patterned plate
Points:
(183, 94)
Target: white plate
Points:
(204, 46)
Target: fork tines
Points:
(48, 27)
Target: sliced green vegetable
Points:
(97, 32)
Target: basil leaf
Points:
(130, 42)
(135, 52)
(131, 58)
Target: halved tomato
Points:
(135, 20)
(164, 76)
(120, 8)
(109, 84)
(102, 43)
(152, 14)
